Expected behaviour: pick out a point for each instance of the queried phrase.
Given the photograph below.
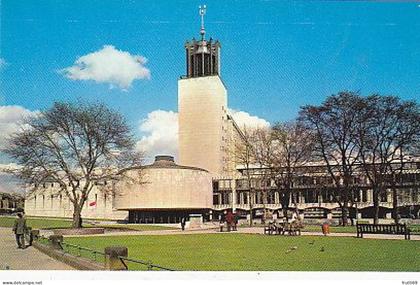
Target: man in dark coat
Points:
(183, 222)
(229, 221)
(19, 229)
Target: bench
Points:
(270, 229)
(398, 229)
(292, 229)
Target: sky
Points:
(276, 56)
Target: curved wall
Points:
(165, 188)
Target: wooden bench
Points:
(398, 229)
(281, 229)
(293, 229)
(270, 229)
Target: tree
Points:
(389, 128)
(76, 146)
(243, 155)
(291, 147)
(262, 149)
(335, 125)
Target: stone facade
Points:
(47, 202)
(202, 107)
(165, 185)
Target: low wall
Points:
(73, 261)
(81, 231)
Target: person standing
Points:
(19, 229)
(222, 222)
(229, 221)
(235, 221)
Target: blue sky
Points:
(276, 55)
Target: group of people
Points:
(20, 228)
(231, 220)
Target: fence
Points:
(149, 264)
(100, 257)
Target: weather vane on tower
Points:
(202, 12)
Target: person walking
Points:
(19, 229)
(183, 222)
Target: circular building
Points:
(164, 192)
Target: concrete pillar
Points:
(369, 194)
(359, 216)
(389, 196)
(233, 185)
(112, 260)
(388, 215)
(55, 241)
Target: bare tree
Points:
(291, 147)
(335, 125)
(243, 155)
(76, 146)
(390, 128)
(262, 149)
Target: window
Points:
(384, 196)
(216, 199)
(215, 185)
(245, 196)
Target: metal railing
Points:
(80, 251)
(149, 264)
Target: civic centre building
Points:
(207, 181)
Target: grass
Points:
(36, 223)
(261, 253)
(52, 223)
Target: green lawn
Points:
(260, 252)
(51, 223)
(36, 223)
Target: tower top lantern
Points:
(203, 56)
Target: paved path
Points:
(253, 230)
(24, 259)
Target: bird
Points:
(322, 249)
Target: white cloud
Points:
(109, 65)
(161, 133)
(244, 119)
(10, 120)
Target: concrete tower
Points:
(202, 106)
